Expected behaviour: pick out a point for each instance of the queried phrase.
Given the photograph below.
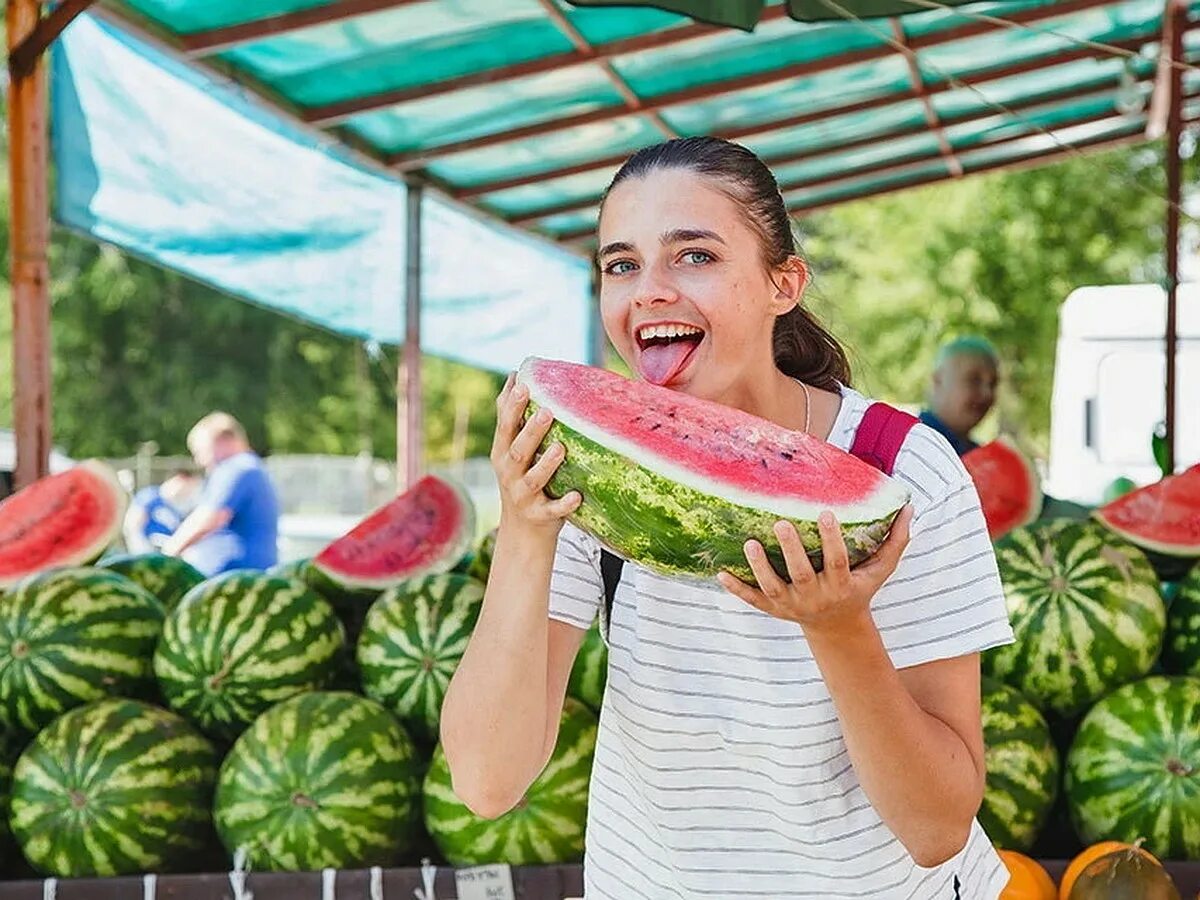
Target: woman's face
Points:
(685, 296)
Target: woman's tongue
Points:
(661, 361)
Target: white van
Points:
(1109, 387)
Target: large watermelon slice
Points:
(1163, 517)
(679, 484)
(1008, 486)
(424, 531)
(67, 519)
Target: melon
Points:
(1008, 486)
(1163, 517)
(1124, 873)
(424, 531)
(678, 484)
(68, 519)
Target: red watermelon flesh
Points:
(424, 531)
(719, 449)
(67, 519)
(1163, 517)
(1008, 486)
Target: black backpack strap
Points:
(610, 573)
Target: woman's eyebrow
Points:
(615, 247)
(682, 235)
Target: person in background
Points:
(963, 390)
(235, 522)
(157, 511)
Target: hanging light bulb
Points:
(1129, 99)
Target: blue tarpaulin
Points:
(174, 166)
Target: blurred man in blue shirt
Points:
(965, 378)
(157, 511)
(235, 523)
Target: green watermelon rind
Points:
(106, 479)
(323, 780)
(240, 643)
(344, 587)
(546, 827)
(166, 577)
(411, 643)
(1022, 768)
(1133, 770)
(147, 775)
(1181, 647)
(1086, 613)
(90, 633)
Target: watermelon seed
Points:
(20, 650)
(303, 800)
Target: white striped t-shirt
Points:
(720, 769)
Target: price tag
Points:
(485, 883)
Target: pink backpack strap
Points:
(880, 435)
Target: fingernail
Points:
(826, 518)
(543, 415)
(752, 548)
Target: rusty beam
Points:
(340, 111)
(25, 55)
(1049, 102)
(216, 40)
(918, 82)
(417, 159)
(1176, 12)
(582, 45)
(29, 238)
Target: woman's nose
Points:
(654, 287)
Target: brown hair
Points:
(802, 347)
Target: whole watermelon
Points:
(295, 568)
(1085, 610)
(116, 787)
(411, 643)
(545, 827)
(325, 779)
(1134, 768)
(1181, 648)
(1022, 768)
(70, 636)
(590, 671)
(240, 643)
(167, 577)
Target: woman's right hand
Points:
(523, 503)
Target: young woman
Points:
(817, 737)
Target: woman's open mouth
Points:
(665, 348)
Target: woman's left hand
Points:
(836, 597)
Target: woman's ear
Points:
(790, 279)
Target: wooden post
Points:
(28, 240)
(1178, 12)
(410, 444)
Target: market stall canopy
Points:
(524, 108)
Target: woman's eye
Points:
(697, 257)
(619, 267)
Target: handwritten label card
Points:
(485, 883)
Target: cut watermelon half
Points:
(1009, 490)
(424, 531)
(67, 519)
(1163, 517)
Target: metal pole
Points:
(1178, 11)
(409, 414)
(28, 240)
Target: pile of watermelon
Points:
(155, 721)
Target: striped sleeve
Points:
(945, 598)
(576, 588)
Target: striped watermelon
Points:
(1134, 768)
(1022, 768)
(1086, 612)
(242, 642)
(545, 827)
(295, 568)
(481, 562)
(590, 671)
(411, 643)
(114, 788)
(1181, 649)
(70, 636)
(326, 779)
(167, 577)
